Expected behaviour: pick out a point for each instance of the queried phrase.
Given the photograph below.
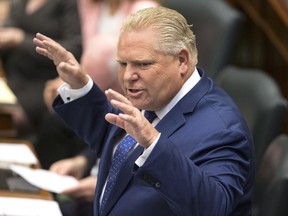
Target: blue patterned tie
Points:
(122, 150)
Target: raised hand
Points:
(131, 120)
(67, 66)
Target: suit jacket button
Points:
(157, 185)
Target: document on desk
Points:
(45, 179)
(28, 207)
(16, 153)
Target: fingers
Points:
(56, 167)
(42, 37)
(131, 120)
(118, 101)
(42, 48)
(42, 51)
(67, 66)
(39, 40)
(113, 95)
(85, 189)
(61, 167)
(71, 191)
(126, 108)
(47, 43)
(51, 49)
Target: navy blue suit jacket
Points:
(203, 163)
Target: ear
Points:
(183, 61)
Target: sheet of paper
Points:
(6, 96)
(28, 207)
(16, 153)
(45, 179)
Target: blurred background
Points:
(243, 46)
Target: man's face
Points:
(149, 79)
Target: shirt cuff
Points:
(141, 160)
(67, 94)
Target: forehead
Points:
(140, 42)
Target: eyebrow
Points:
(136, 60)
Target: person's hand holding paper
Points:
(44, 179)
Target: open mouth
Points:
(134, 92)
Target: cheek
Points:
(169, 80)
(169, 86)
(120, 74)
(161, 87)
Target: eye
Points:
(144, 65)
(122, 64)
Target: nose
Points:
(130, 73)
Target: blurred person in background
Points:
(25, 71)
(4, 10)
(78, 201)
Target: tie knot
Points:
(150, 115)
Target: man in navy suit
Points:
(195, 158)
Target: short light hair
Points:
(173, 31)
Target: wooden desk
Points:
(7, 128)
(43, 194)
